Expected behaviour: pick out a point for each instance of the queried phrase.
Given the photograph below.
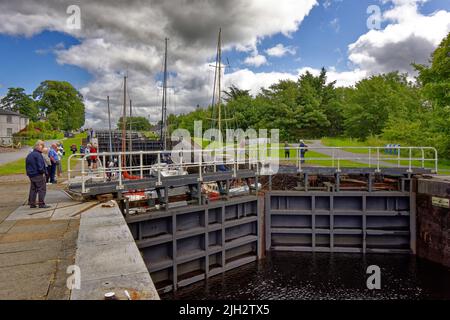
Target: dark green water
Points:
(305, 276)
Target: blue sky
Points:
(28, 57)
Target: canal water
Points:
(306, 276)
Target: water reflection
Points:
(299, 276)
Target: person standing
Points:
(93, 149)
(35, 168)
(287, 152)
(53, 155)
(87, 151)
(48, 164)
(74, 148)
(60, 151)
(303, 149)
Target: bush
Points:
(38, 131)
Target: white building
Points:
(10, 123)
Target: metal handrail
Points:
(204, 158)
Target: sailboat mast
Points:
(130, 144)
(164, 101)
(219, 58)
(124, 118)
(109, 125)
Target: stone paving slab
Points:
(28, 257)
(70, 212)
(5, 226)
(29, 245)
(103, 235)
(27, 270)
(21, 288)
(98, 262)
(109, 258)
(56, 196)
(25, 212)
(139, 286)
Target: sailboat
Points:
(165, 167)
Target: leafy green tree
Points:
(375, 100)
(53, 120)
(137, 123)
(233, 93)
(61, 97)
(435, 83)
(18, 101)
(435, 79)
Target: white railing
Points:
(252, 157)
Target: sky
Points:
(94, 44)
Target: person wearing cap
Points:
(303, 149)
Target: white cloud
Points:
(280, 50)
(255, 60)
(118, 36)
(335, 25)
(254, 81)
(409, 37)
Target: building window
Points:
(9, 132)
(8, 119)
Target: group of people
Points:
(86, 150)
(303, 149)
(53, 161)
(42, 166)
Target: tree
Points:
(375, 101)
(233, 93)
(137, 124)
(61, 97)
(18, 101)
(435, 79)
(435, 82)
(54, 121)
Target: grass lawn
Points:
(356, 145)
(443, 164)
(18, 166)
(321, 159)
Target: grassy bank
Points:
(18, 166)
(361, 148)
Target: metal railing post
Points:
(435, 160)
(299, 159)
(141, 161)
(120, 170)
(378, 159)
(423, 158)
(235, 163)
(68, 168)
(83, 187)
(332, 157)
(398, 157)
(104, 167)
(159, 168)
(200, 168)
(370, 157)
(410, 159)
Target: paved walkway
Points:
(355, 157)
(36, 246)
(6, 157)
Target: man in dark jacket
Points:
(35, 166)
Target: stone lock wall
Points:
(433, 222)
